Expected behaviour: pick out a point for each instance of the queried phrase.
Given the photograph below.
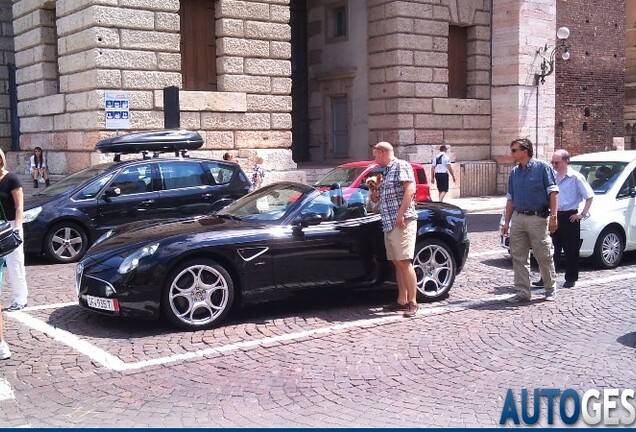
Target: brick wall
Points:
(590, 86)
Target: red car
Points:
(351, 176)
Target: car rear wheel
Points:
(198, 294)
(435, 269)
(608, 251)
(66, 242)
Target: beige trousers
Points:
(531, 232)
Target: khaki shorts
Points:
(400, 242)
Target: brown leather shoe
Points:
(411, 310)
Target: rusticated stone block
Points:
(230, 65)
(169, 62)
(218, 140)
(280, 50)
(281, 85)
(149, 80)
(228, 27)
(235, 121)
(267, 30)
(150, 40)
(263, 139)
(281, 121)
(168, 22)
(269, 103)
(244, 83)
(268, 67)
(243, 10)
(242, 47)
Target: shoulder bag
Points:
(9, 238)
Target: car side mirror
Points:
(309, 219)
(112, 192)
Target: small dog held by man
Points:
(374, 183)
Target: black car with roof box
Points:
(63, 220)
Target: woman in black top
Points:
(12, 200)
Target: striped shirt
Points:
(396, 172)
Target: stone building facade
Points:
(339, 74)
(69, 53)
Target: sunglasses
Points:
(516, 150)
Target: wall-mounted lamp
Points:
(547, 64)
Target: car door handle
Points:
(147, 202)
(206, 195)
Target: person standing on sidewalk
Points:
(573, 188)
(532, 202)
(399, 223)
(12, 206)
(440, 169)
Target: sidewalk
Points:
(495, 204)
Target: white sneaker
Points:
(5, 352)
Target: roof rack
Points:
(178, 141)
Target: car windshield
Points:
(341, 175)
(270, 203)
(600, 175)
(71, 181)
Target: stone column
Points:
(520, 28)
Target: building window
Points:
(457, 70)
(339, 126)
(198, 44)
(336, 22)
(340, 21)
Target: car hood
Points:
(34, 201)
(132, 236)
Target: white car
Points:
(611, 228)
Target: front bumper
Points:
(137, 294)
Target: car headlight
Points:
(132, 261)
(31, 214)
(104, 236)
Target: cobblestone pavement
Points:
(320, 360)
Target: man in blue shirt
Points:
(531, 205)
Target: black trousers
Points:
(567, 238)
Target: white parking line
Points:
(6, 391)
(115, 363)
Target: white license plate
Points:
(100, 303)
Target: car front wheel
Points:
(435, 269)
(198, 295)
(66, 242)
(609, 249)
